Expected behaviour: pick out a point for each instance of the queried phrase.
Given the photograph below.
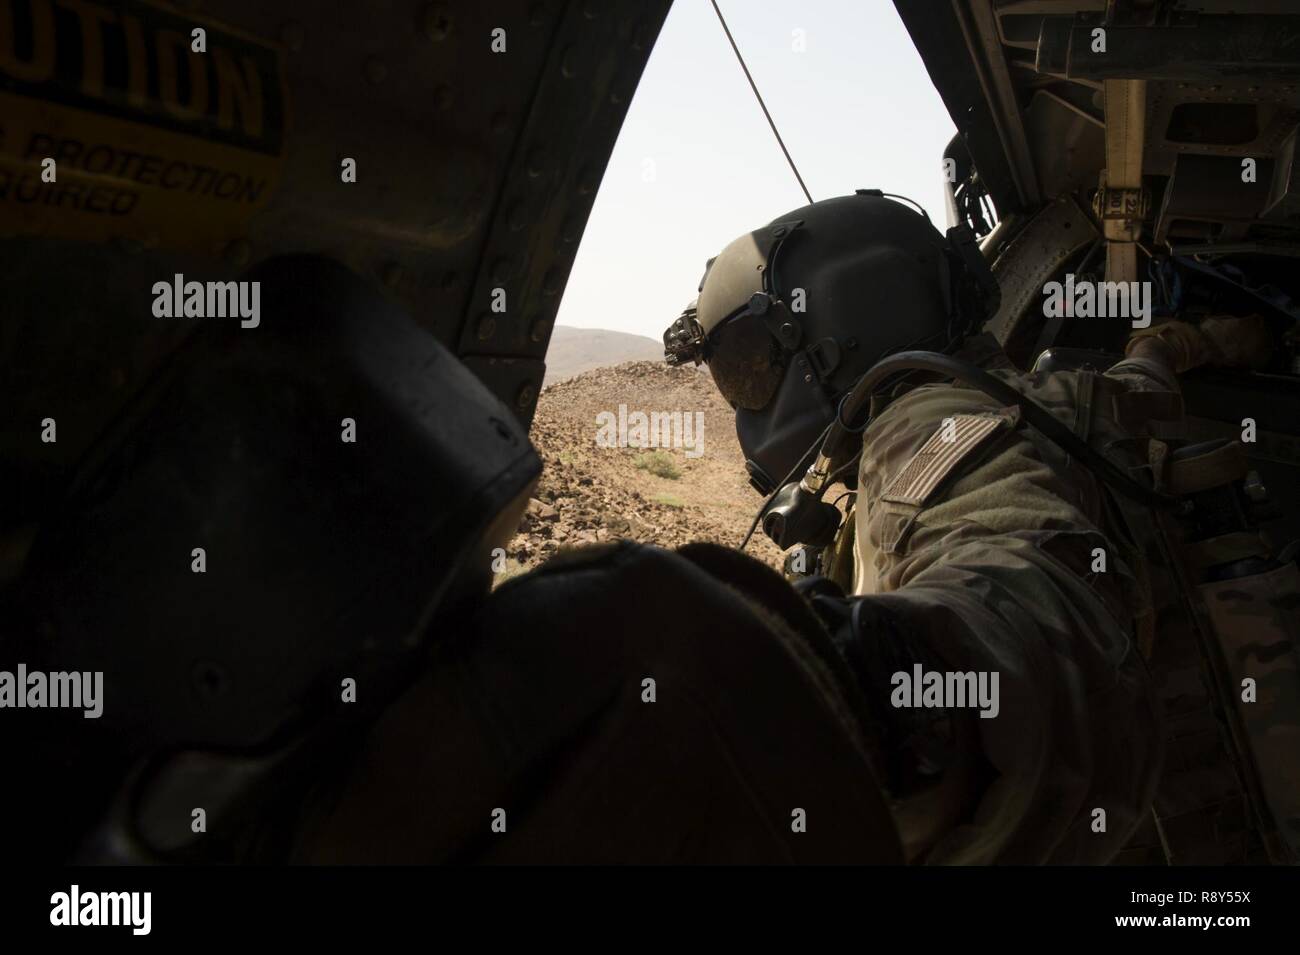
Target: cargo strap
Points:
(1121, 202)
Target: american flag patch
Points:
(957, 437)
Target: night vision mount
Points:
(684, 340)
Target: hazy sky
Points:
(696, 164)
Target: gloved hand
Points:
(1225, 341)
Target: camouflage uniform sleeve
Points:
(1143, 374)
(1003, 567)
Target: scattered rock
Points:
(589, 493)
(541, 510)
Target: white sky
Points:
(696, 165)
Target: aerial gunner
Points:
(1003, 523)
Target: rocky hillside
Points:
(590, 492)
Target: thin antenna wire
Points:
(759, 97)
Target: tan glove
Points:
(1223, 340)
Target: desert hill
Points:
(589, 492)
(575, 350)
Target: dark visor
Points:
(746, 362)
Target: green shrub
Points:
(659, 463)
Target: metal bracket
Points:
(1121, 210)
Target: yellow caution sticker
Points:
(127, 120)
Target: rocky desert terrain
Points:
(666, 496)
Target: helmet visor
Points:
(746, 362)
